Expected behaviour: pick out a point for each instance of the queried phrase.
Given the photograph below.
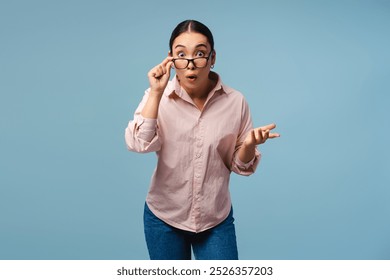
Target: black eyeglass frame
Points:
(192, 60)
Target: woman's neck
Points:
(201, 93)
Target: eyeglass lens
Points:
(181, 63)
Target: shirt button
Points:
(198, 155)
(197, 175)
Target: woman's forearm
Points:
(150, 110)
(246, 152)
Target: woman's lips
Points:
(191, 77)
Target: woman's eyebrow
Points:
(179, 46)
(201, 45)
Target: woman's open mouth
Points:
(191, 78)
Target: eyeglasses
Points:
(198, 62)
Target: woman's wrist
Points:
(155, 93)
(246, 152)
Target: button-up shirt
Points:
(196, 152)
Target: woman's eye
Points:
(181, 54)
(199, 54)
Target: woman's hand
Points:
(158, 80)
(259, 135)
(159, 76)
(255, 137)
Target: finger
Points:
(160, 71)
(259, 136)
(251, 138)
(268, 127)
(161, 68)
(274, 135)
(155, 71)
(167, 60)
(152, 74)
(168, 66)
(266, 135)
(156, 74)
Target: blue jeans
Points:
(165, 242)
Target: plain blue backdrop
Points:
(73, 72)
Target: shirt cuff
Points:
(243, 165)
(147, 124)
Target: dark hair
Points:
(194, 26)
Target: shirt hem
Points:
(182, 227)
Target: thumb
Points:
(168, 70)
(168, 66)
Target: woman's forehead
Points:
(191, 40)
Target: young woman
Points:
(201, 131)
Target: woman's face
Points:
(191, 45)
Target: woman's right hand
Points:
(159, 75)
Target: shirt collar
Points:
(174, 87)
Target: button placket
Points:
(198, 167)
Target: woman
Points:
(201, 130)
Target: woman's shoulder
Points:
(232, 92)
(228, 89)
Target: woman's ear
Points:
(213, 57)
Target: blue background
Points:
(73, 72)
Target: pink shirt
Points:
(196, 151)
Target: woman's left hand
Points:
(259, 135)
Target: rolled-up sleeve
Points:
(141, 134)
(248, 168)
(238, 166)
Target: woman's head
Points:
(192, 48)
(191, 26)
